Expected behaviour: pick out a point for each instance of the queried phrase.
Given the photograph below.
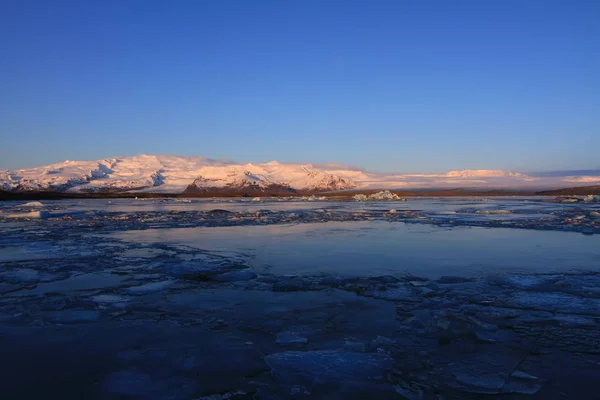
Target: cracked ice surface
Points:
(297, 299)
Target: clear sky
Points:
(408, 86)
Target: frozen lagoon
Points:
(215, 299)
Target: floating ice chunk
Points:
(570, 200)
(313, 198)
(32, 204)
(32, 215)
(149, 287)
(591, 199)
(383, 195)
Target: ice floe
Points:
(30, 215)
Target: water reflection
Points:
(376, 248)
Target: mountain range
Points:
(201, 175)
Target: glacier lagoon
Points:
(285, 298)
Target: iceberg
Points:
(379, 196)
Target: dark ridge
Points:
(575, 191)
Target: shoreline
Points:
(456, 192)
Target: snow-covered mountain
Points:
(173, 174)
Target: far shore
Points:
(341, 195)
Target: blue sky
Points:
(408, 86)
